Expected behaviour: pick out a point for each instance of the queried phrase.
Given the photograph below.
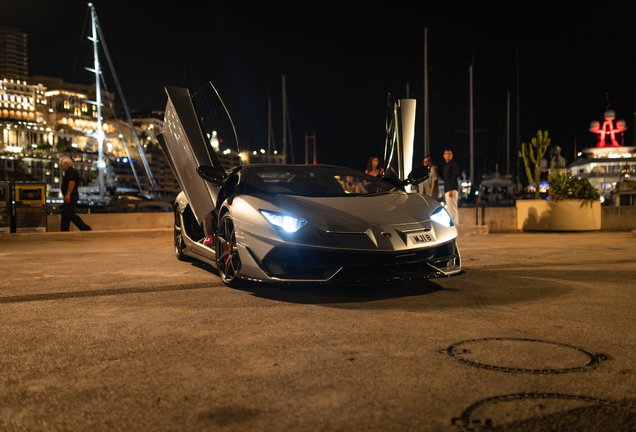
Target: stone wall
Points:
(497, 219)
(618, 218)
(504, 219)
(117, 221)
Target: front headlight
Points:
(441, 216)
(286, 222)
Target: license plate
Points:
(421, 238)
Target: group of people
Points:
(430, 187)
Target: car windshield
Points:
(312, 180)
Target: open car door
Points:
(191, 126)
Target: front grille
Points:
(292, 262)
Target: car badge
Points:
(387, 235)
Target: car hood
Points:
(349, 213)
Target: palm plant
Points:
(565, 186)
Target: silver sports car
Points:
(295, 223)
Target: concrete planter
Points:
(568, 215)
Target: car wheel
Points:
(227, 257)
(178, 237)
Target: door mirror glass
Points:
(210, 174)
(418, 175)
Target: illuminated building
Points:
(13, 54)
(45, 119)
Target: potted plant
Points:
(573, 205)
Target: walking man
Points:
(451, 185)
(70, 184)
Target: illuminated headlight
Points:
(286, 222)
(441, 216)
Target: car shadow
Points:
(341, 294)
(332, 293)
(477, 288)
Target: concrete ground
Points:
(112, 333)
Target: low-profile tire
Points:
(228, 261)
(178, 237)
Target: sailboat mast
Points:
(269, 127)
(284, 123)
(427, 137)
(508, 135)
(99, 135)
(140, 148)
(470, 127)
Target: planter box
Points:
(568, 215)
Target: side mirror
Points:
(418, 175)
(390, 176)
(210, 174)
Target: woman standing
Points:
(373, 167)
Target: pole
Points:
(98, 101)
(284, 123)
(518, 123)
(427, 139)
(508, 135)
(291, 137)
(470, 126)
(306, 149)
(315, 148)
(269, 127)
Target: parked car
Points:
(295, 223)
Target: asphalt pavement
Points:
(112, 333)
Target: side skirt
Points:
(198, 251)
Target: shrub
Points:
(564, 186)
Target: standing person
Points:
(70, 184)
(451, 185)
(429, 186)
(373, 167)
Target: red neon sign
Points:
(607, 132)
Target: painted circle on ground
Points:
(547, 411)
(523, 355)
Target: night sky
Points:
(340, 63)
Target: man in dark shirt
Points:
(70, 183)
(451, 185)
